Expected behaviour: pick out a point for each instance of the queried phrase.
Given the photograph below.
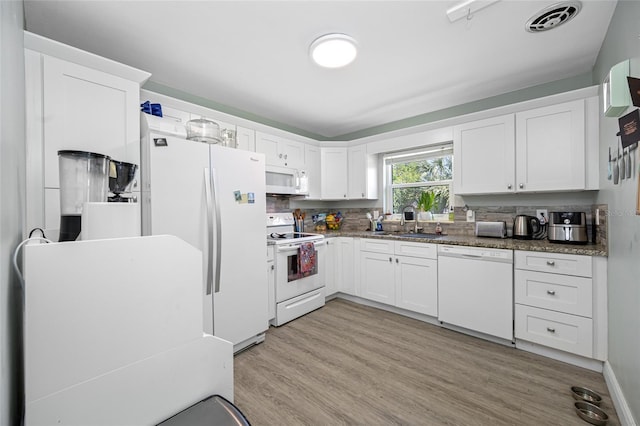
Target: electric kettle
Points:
(525, 227)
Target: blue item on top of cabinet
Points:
(153, 109)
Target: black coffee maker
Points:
(121, 178)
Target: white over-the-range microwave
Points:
(286, 181)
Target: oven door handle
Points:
(294, 247)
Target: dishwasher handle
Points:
(488, 255)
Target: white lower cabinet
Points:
(377, 277)
(416, 284)
(330, 270)
(344, 263)
(570, 333)
(339, 273)
(562, 293)
(388, 275)
(558, 302)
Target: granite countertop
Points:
(498, 243)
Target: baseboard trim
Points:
(619, 401)
(558, 355)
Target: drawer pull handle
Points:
(551, 292)
(390, 260)
(550, 262)
(551, 330)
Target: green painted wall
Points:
(622, 42)
(559, 86)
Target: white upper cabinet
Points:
(74, 100)
(363, 174)
(550, 148)
(312, 169)
(87, 110)
(538, 150)
(348, 173)
(280, 151)
(246, 138)
(484, 156)
(333, 173)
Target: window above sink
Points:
(409, 174)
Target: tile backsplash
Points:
(355, 218)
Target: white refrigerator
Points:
(213, 197)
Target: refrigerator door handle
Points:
(208, 196)
(218, 241)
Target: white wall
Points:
(12, 166)
(622, 42)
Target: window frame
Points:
(411, 155)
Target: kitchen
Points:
(617, 47)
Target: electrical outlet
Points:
(471, 216)
(540, 213)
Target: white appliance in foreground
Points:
(475, 289)
(212, 197)
(297, 292)
(113, 333)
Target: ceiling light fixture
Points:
(333, 50)
(467, 9)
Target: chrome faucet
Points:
(415, 218)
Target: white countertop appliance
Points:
(212, 197)
(125, 349)
(298, 290)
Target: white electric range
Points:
(298, 290)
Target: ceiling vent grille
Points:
(553, 16)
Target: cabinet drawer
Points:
(378, 246)
(566, 332)
(562, 293)
(568, 264)
(425, 250)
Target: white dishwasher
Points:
(475, 289)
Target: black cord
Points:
(37, 229)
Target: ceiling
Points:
(252, 56)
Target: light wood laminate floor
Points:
(357, 365)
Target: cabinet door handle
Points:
(397, 261)
(521, 185)
(280, 156)
(345, 195)
(285, 156)
(390, 260)
(509, 186)
(551, 329)
(551, 292)
(273, 267)
(551, 262)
